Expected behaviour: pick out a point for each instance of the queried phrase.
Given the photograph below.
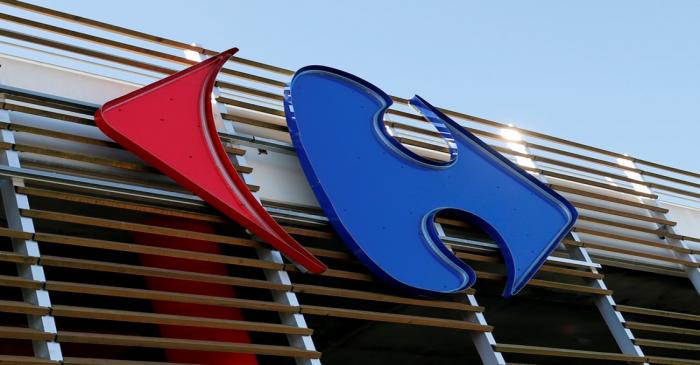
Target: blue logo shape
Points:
(382, 198)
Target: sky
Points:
(622, 75)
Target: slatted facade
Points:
(82, 216)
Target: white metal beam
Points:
(12, 203)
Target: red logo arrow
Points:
(170, 125)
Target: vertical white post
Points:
(277, 276)
(12, 203)
(692, 272)
(483, 341)
(605, 303)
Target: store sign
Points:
(379, 196)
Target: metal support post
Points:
(12, 204)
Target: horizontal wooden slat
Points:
(25, 360)
(17, 258)
(657, 313)
(660, 328)
(620, 237)
(637, 253)
(25, 334)
(169, 252)
(11, 233)
(671, 361)
(620, 213)
(102, 161)
(569, 287)
(80, 264)
(146, 208)
(10, 306)
(393, 318)
(47, 113)
(136, 227)
(17, 282)
(668, 344)
(114, 291)
(607, 198)
(625, 264)
(566, 353)
(341, 274)
(633, 227)
(182, 344)
(545, 268)
(356, 294)
(94, 361)
(64, 136)
(100, 175)
(175, 320)
(590, 182)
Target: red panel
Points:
(170, 125)
(191, 287)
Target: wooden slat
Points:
(569, 287)
(566, 353)
(393, 318)
(356, 294)
(102, 161)
(136, 34)
(169, 252)
(667, 344)
(99, 175)
(25, 360)
(17, 258)
(146, 208)
(25, 334)
(661, 328)
(120, 204)
(136, 227)
(545, 268)
(114, 291)
(64, 136)
(617, 262)
(632, 227)
(667, 168)
(668, 178)
(11, 233)
(182, 344)
(86, 52)
(251, 106)
(174, 320)
(94, 361)
(607, 198)
(47, 113)
(17, 282)
(671, 361)
(620, 237)
(621, 213)
(81, 264)
(637, 253)
(254, 122)
(10, 306)
(657, 313)
(595, 183)
(341, 274)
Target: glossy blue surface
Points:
(381, 198)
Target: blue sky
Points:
(621, 75)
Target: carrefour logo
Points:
(380, 197)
